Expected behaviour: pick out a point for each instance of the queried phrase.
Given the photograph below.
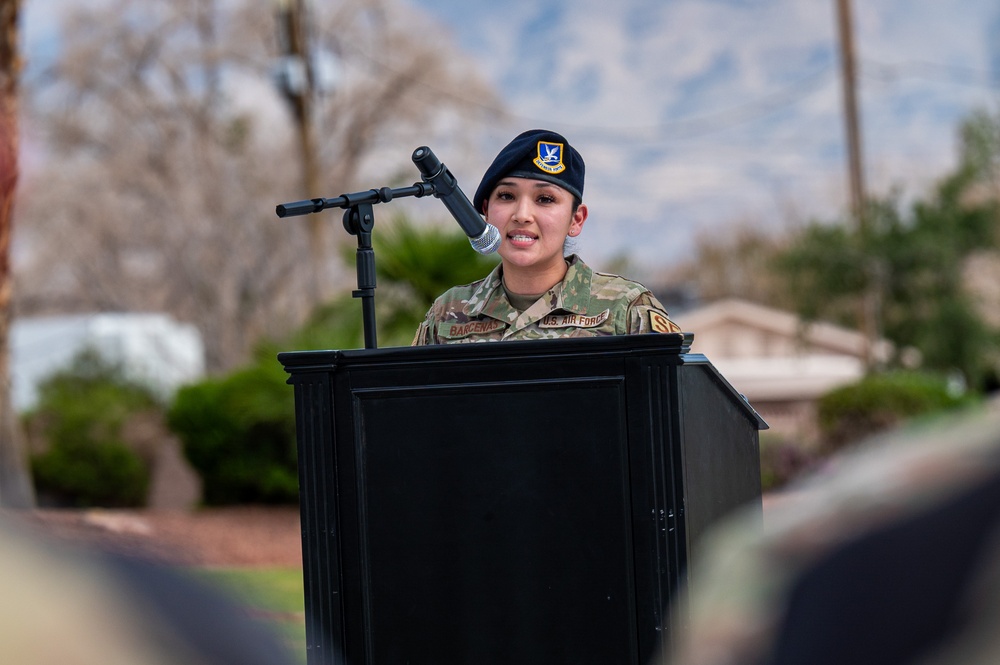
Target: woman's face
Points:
(533, 217)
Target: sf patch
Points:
(550, 157)
(661, 324)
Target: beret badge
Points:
(550, 157)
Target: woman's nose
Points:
(523, 211)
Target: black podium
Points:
(513, 502)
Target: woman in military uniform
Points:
(533, 194)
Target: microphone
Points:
(483, 237)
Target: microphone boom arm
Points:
(359, 219)
(372, 196)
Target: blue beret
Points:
(538, 154)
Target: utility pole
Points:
(849, 79)
(16, 489)
(297, 81)
(869, 298)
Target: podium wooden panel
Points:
(515, 502)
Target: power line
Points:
(717, 121)
(928, 71)
(711, 122)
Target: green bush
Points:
(882, 401)
(87, 473)
(238, 432)
(79, 419)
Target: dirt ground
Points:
(242, 536)
(218, 537)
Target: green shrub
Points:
(87, 473)
(79, 418)
(238, 432)
(882, 401)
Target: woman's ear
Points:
(579, 217)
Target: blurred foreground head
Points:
(64, 606)
(890, 555)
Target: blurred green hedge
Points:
(78, 424)
(882, 401)
(238, 432)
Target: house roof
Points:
(816, 336)
(770, 354)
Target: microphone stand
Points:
(359, 220)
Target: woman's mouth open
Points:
(521, 239)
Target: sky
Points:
(698, 115)
(695, 116)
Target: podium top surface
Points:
(674, 348)
(668, 343)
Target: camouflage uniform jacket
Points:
(744, 603)
(584, 304)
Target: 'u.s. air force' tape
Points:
(574, 320)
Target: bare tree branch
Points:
(174, 147)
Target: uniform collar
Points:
(572, 294)
(490, 300)
(575, 289)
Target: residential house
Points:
(780, 363)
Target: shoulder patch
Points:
(659, 323)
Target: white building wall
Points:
(153, 348)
